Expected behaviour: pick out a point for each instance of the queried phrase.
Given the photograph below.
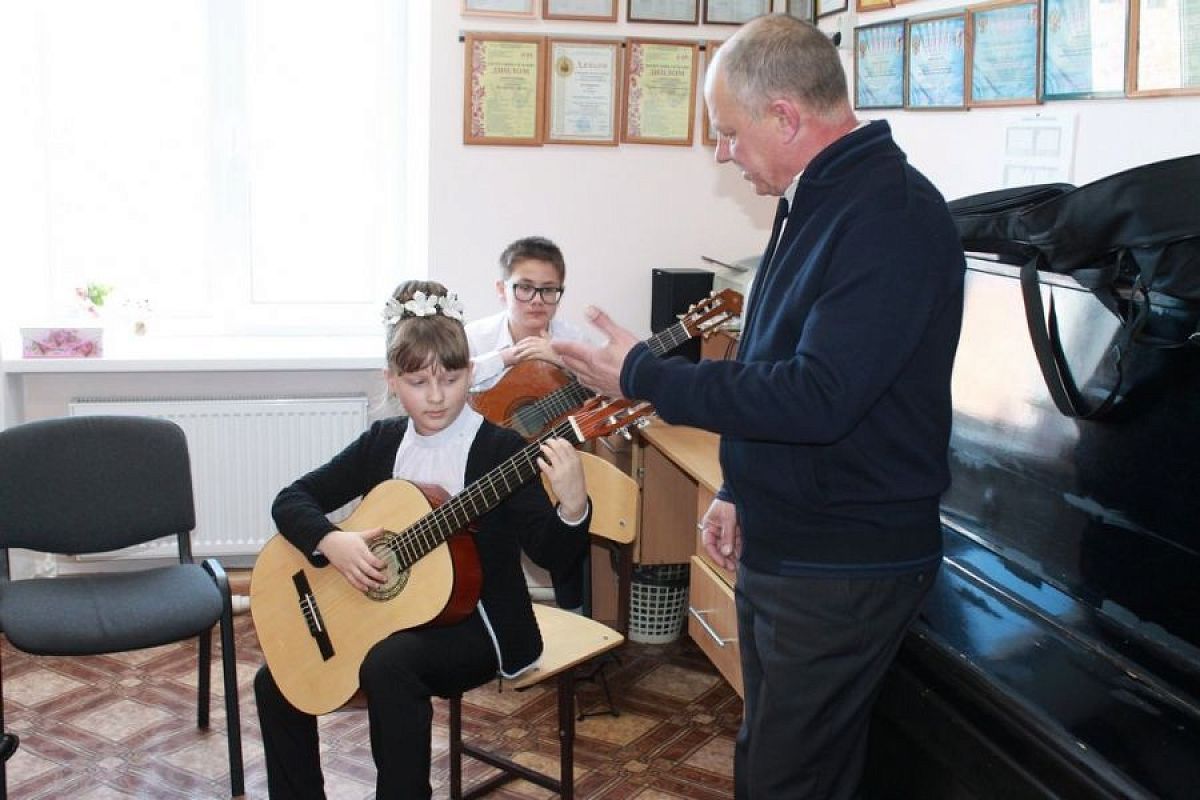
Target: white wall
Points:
(618, 212)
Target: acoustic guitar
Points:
(535, 394)
(315, 628)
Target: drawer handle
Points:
(698, 615)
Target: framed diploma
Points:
(734, 12)
(937, 60)
(503, 86)
(584, 93)
(801, 9)
(1083, 49)
(1006, 55)
(593, 10)
(686, 12)
(499, 8)
(872, 5)
(1164, 48)
(879, 51)
(825, 8)
(708, 134)
(660, 91)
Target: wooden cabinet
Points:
(712, 620)
(679, 472)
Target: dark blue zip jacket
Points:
(835, 416)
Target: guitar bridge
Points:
(312, 615)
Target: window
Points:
(238, 163)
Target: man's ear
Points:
(787, 117)
(500, 291)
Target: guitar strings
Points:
(572, 394)
(427, 533)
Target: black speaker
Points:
(671, 292)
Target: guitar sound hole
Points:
(526, 421)
(397, 578)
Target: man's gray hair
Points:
(780, 56)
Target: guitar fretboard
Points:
(531, 418)
(669, 338)
(431, 530)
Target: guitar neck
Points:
(533, 417)
(669, 338)
(431, 530)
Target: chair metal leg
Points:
(8, 745)
(204, 678)
(233, 717)
(456, 752)
(566, 734)
(600, 677)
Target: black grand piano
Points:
(1059, 652)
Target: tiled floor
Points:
(123, 726)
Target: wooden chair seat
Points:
(571, 640)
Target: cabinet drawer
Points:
(712, 621)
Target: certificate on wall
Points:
(1005, 56)
(937, 60)
(1084, 47)
(592, 10)
(872, 5)
(879, 65)
(660, 91)
(499, 8)
(801, 9)
(584, 91)
(1165, 52)
(502, 101)
(825, 8)
(734, 12)
(683, 11)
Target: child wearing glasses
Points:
(532, 272)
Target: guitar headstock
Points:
(601, 416)
(704, 316)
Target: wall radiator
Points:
(243, 452)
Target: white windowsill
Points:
(209, 354)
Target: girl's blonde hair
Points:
(417, 342)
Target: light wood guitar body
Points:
(315, 628)
(315, 640)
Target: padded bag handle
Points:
(1139, 228)
(991, 222)
(1145, 207)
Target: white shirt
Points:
(439, 459)
(488, 336)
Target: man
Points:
(834, 417)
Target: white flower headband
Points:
(423, 305)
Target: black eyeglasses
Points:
(525, 292)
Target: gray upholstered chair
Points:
(94, 484)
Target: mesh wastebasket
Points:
(658, 602)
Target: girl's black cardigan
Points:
(526, 520)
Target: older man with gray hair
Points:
(835, 415)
